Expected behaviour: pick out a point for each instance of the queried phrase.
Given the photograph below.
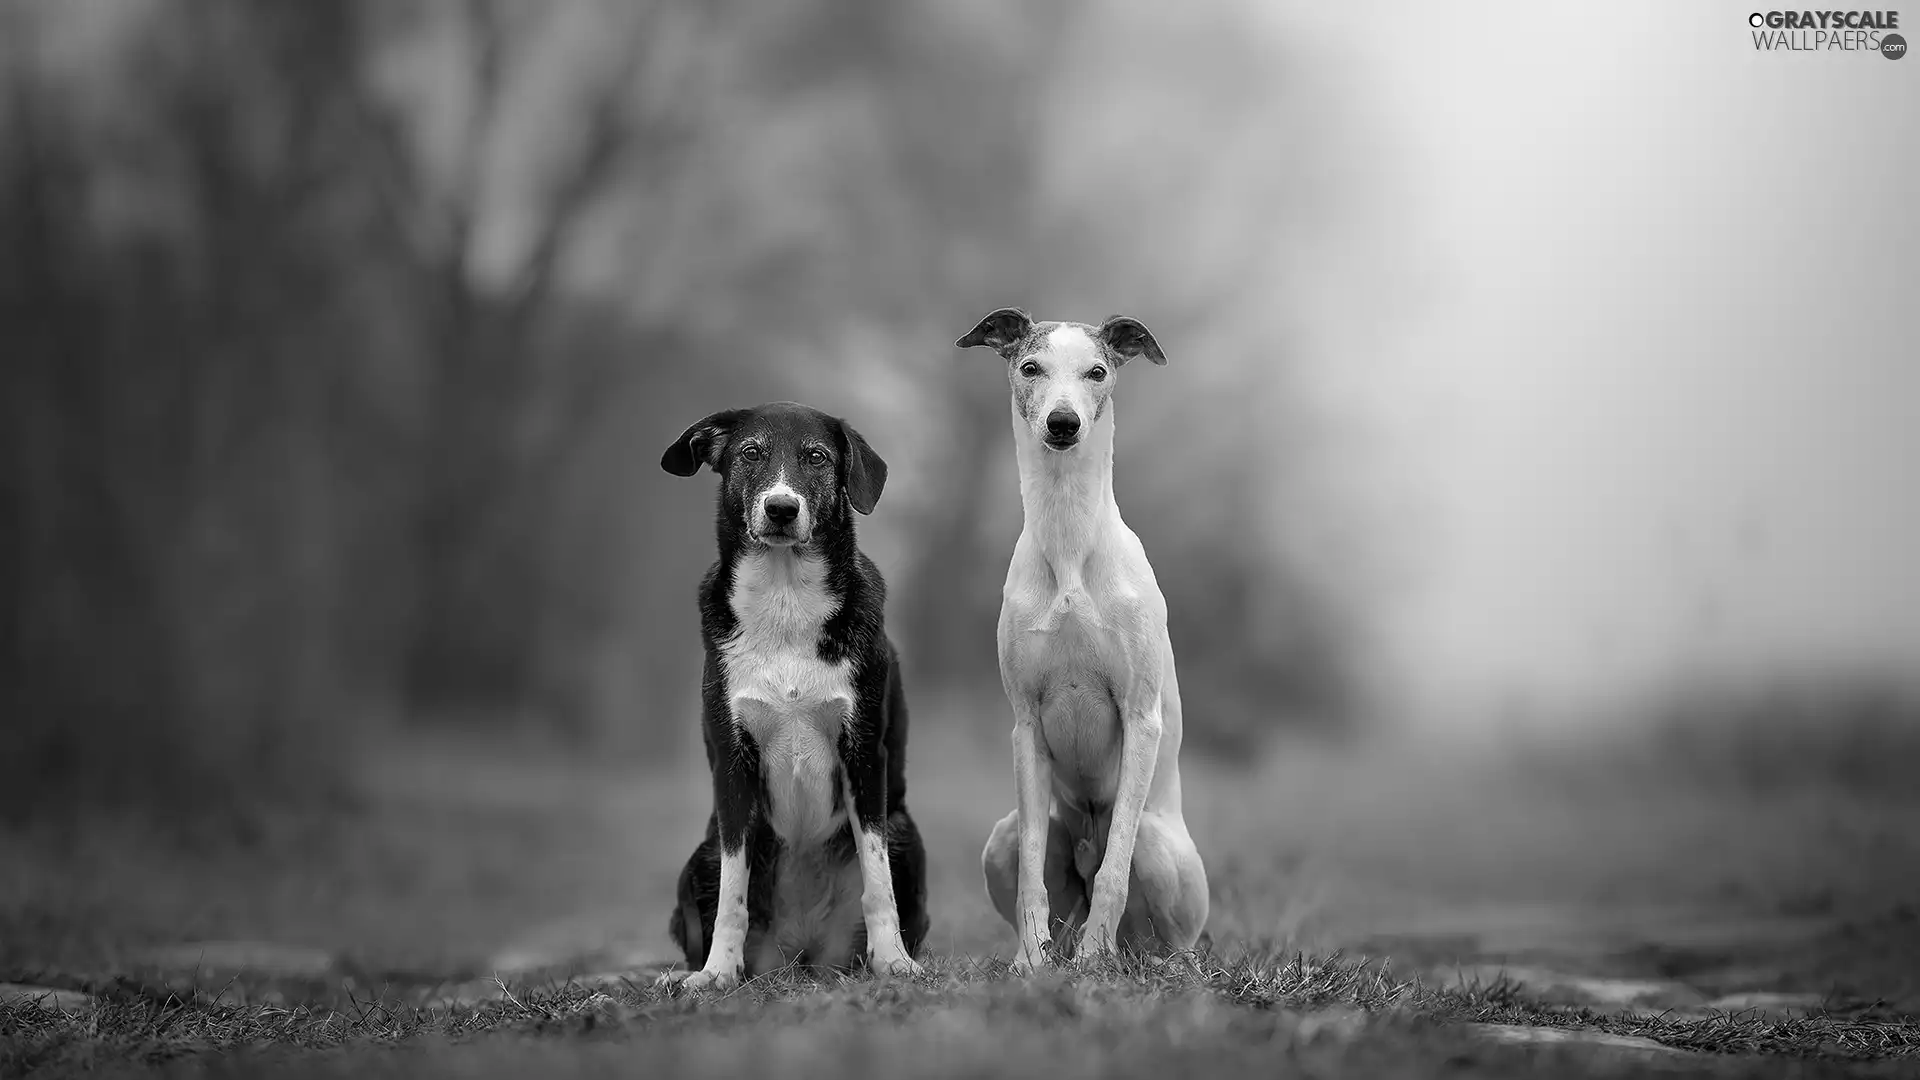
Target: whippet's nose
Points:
(781, 509)
(1062, 424)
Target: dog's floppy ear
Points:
(701, 444)
(1003, 330)
(866, 473)
(1130, 338)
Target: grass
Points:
(1360, 901)
(1121, 1017)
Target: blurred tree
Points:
(500, 412)
(170, 465)
(303, 407)
(342, 340)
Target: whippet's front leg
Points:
(736, 779)
(1140, 727)
(866, 783)
(1031, 768)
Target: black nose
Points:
(782, 509)
(1063, 424)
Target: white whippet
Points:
(1096, 841)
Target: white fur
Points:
(886, 949)
(1088, 670)
(783, 695)
(727, 954)
(1069, 354)
(802, 525)
(1069, 342)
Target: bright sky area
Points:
(1654, 394)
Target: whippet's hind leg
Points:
(1166, 892)
(1066, 894)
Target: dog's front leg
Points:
(866, 780)
(1140, 728)
(1031, 766)
(736, 782)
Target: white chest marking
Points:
(782, 694)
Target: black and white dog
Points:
(805, 715)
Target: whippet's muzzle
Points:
(1063, 429)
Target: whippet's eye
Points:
(1097, 374)
(750, 452)
(1030, 369)
(816, 457)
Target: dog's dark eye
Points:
(816, 457)
(750, 452)
(1097, 374)
(1029, 369)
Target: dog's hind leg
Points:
(1066, 894)
(1167, 899)
(908, 860)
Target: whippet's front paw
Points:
(1096, 941)
(1033, 956)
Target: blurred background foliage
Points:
(342, 339)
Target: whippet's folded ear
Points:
(701, 444)
(866, 473)
(1004, 330)
(1130, 338)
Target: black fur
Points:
(791, 439)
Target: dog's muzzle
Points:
(782, 521)
(1063, 429)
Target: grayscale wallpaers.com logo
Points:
(1828, 31)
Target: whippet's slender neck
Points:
(1067, 496)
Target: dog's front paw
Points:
(896, 965)
(1033, 956)
(712, 980)
(1095, 942)
(725, 978)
